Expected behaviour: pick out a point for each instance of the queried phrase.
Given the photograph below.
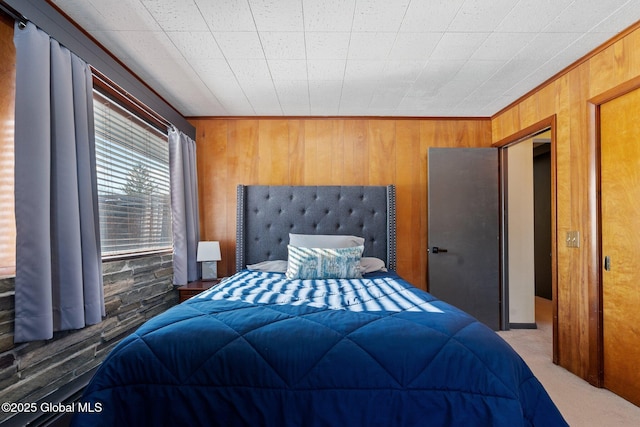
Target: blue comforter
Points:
(260, 350)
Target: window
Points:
(7, 217)
(132, 162)
(7, 120)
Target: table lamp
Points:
(209, 255)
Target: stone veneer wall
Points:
(135, 290)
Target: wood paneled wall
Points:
(570, 97)
(325, 151)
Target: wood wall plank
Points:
(325, 152)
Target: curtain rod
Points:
(17, 16)
(115, 90)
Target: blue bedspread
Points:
(260, 350)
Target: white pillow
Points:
(324, 241)
(371, 264)
(324, 263)
(275, 266)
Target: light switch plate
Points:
(573, 239)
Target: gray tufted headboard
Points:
(267, 214)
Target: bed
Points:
(315, 329)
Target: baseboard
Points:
(523, 325)
(66, 394)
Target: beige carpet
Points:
(581, 404)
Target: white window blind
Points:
(132, 162)
(7, 212)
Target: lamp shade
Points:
(208, 251)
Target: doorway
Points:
(528, 234)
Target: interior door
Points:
(463, 230)
(620, 219)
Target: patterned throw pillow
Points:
(324, 263)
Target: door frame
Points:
(595, 373)
(549, 122)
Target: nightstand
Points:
(194, 288)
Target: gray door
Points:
(463, 230)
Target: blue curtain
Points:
(184, 206)
(58, 284)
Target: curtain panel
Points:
(184, 206)
(58, 284)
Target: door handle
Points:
(436, 250)
(607, 263)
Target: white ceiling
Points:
(429, 58)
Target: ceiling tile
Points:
(84, 12)
(532, 16)
(458, 46)
(509, 75)
(324, 45)
(429, 16)
(475, 72)
(388, 96)
(371, 45)
(176, 16)
(285, 69)
(114, 15)
(324, 97)
(481, 15)
(283, 45)
(624, 17)
(502, 46)
(328, 15)
(227, 15)
(151, 44)
(379, 15)
(326, 69)
(213, 69)
(264, 100)
(229, 94)
(196, 45)
(364, 70)
(277, 15)
(244, 45)
(355, 95)
(248, 70)
(414, 46)
(544, 46)
(293, 96)
(435, 74)
(402, 71)
(119, 45)
(583, 15)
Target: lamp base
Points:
(209, 270)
